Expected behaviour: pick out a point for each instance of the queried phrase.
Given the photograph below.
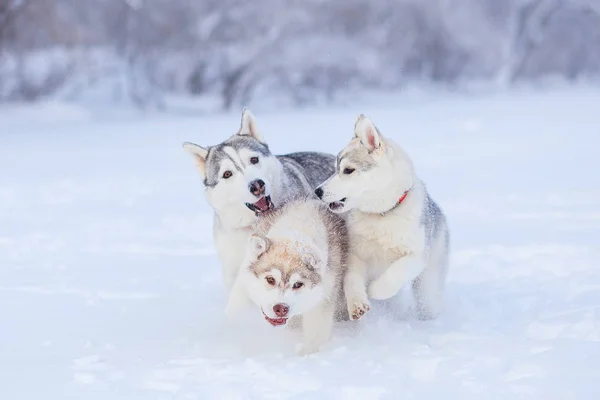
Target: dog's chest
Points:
(383, 240)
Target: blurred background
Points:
(146, 52)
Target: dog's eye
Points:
(297, 285)
(227, 174)
(254, 160)
(270, 280)
(348, 171)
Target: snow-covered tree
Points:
(299, 49)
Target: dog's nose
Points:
(281, 309)
(257, 187)
(319, 192)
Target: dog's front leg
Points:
(402, 271)
(230, 250)
(355, 287)
(231, 270)
(316, 326)
(238, 297)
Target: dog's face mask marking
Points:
(284, 278)
(362, 170)
(238, 174)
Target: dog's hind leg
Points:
(428, 287)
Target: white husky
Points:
(243, 180)
(294, 266)
(398, 234)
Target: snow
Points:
(110, 287)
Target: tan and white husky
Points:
(293, 267)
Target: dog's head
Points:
(239, 174)
(284, 278)
(371, 172)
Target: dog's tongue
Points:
(276, 321)
(262, 204)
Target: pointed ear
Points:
(199, 154)
(311, 259)
(248, 127)
(257, 246)
(368, 134)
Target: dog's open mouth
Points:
(263, 205)
(275, 321)
(337, 205)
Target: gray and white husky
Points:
(398, 235)
(243, 180)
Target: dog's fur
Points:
(398, 234)
(284, 177)
(304, 244)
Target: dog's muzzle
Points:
(257, 187)
(337, 205)
(281, 311)
(263, 205)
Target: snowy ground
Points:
(110, 286)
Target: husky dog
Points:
(293, 267)
(243, 180)
(398, 234)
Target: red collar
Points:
(400, 200)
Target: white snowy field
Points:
(110, 286)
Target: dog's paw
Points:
(357, 309)
(382, 289)
(307, 349)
